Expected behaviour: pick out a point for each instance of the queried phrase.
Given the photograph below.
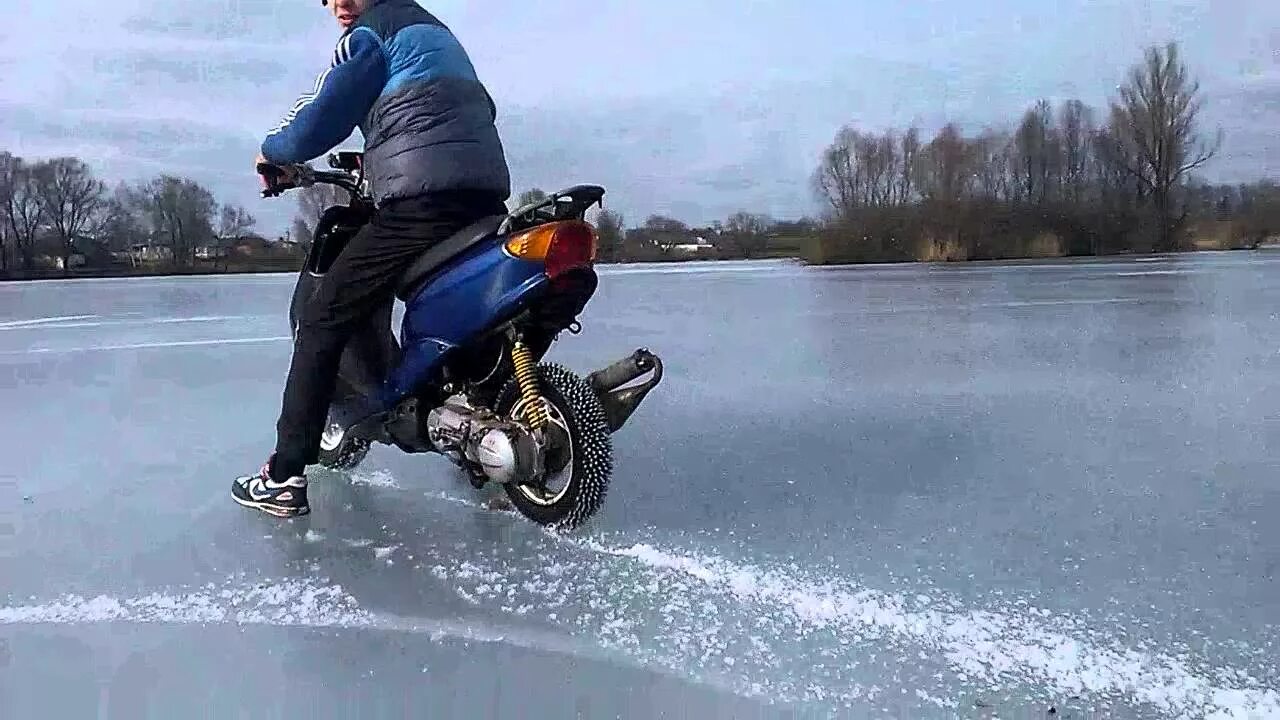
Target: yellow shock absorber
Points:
(526, 377)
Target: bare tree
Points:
(865, 152)
(70, 197)
(837, 177)
(1076, 130)
(945, 169)
(992, 158)
(312, 202)
(1154, 123)
(877, 160)
(530, 196)
(117, 224)
(907, 165)
(886, 169)
(6, 193)
(22, 210)
(301, 232)
(609, 230)
(747, 233)
(860, 170)
(1035, 143)
(234, 221)
(1259, 210)
(180, 211)
(659, 233)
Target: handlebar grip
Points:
(272, 176)
(268, 169)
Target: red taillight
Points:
(572, 247)
(561, 246)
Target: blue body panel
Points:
(462, 300)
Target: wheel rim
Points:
(550, 496)
(332, 437)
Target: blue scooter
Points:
(466, 378)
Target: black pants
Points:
(361, 280)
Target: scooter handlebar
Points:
(279, 178)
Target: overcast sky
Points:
(694, 108)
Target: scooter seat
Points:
(442, 252)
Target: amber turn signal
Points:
(560, 245)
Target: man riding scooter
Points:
(435, 164)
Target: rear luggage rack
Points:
(569, 204)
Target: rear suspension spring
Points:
(526, 377)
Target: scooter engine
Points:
(505, 452)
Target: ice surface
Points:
(913, 487)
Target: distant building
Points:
(699, 246)
(212, 252)
(251, 245)
(140, 253)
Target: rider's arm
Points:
(329, 113)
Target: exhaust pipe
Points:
(619, 402)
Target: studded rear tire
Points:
(347, 457)
(590, 463)
(342, 455)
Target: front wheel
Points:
(578, 454)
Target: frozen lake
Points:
(902, 491)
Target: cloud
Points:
(1248, 115)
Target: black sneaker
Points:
(282, 499)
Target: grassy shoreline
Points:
(290, 268)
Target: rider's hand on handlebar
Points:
(274, 177)
(271, 172)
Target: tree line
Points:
(58, 219)
(56, 216)
(1066, 180)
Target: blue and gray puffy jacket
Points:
(402, 77)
